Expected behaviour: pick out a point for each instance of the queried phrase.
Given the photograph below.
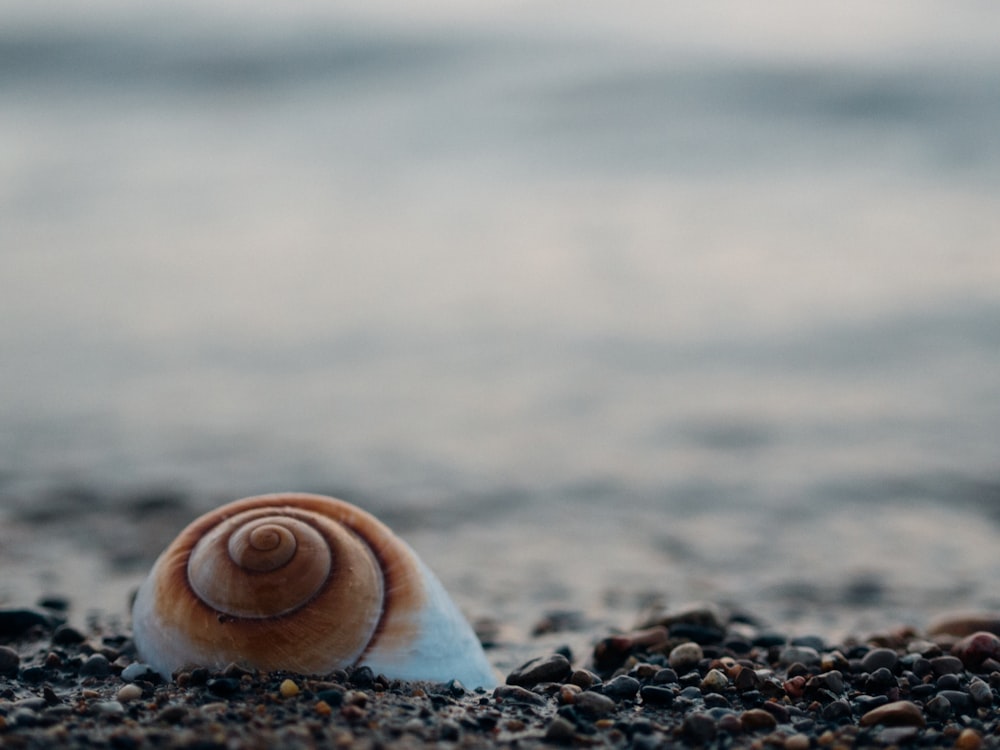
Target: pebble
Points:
(974, 649)
(656, 695)
(799, 654)
(621, 687)
(288, 689)
(16, 622)
(67, 635)
(969, 739)
(879, 658)
(757, 718)
(560, 731)
(900, 713)
(699, 727)
(128, 693)
(963, 624)
(946, 665)
(685, 657)
(518, 694)
(139, 671)
(9, 661)
(553, 668)
(97, 665)
(594, 704)
(715, 682)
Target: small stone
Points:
(963, 624)
(323, 708)
(362, 677)
(594, 704)
(656, 695)
(67, 635)
(757, 718)
(969, 739)
(946, 665)
(128, 693)
(974, 649)
(560, 731)
(97, 665)
(879, 658)
(900, 713)
(980, 692)
(553, 668)
(802, 654)
(109, 708)
(16, 622)
(938, 708)
(895, 736)
(223, 686)
(9, 661)
(699, 727)
(175, 714)
(715, 682)
(685, 657)
(584, 678)
(288, 689)
(569, 693)
(139, 671)
(798, 742)
(621, 687)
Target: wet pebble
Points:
(553, 668)
(899, 713)
(621, 687)
(946, 665)
(699, 727)
(656, 695)
(757, 719)
(67, 635)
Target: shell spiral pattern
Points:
(303, 583)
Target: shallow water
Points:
(591, 309)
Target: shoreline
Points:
(700, 677)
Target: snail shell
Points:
(302, 583)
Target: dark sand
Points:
(698, 677)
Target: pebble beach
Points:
(695, 677)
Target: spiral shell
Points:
(303, 583)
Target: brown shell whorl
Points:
(269, 612)
(257, 564)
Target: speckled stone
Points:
(685, 657)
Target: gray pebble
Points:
(946, 665)
(560, 731)
(621, 687)
(97, 665)
(938, 707)
(878, 658)
(685, 657)
(801, 654)
(980, 692)
(518, 694)
(554, 668)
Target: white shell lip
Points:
(439, 644)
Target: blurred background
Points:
(592, 306)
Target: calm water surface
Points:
(687, 303)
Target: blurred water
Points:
(689, 301)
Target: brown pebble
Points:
(594, 704)
(685, 657)
(323, 708)
(967, 623)
(568, 693)
(974, 649)
(969, 739)
(797, 742)
(900, 713)
(757, 718)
